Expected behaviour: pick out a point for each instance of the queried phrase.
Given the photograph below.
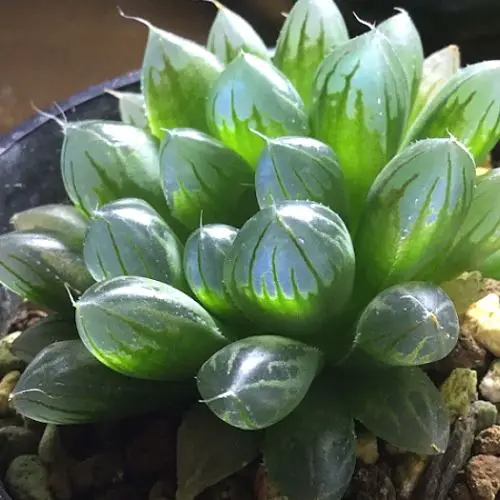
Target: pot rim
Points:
(31, 124)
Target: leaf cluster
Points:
(267, 233)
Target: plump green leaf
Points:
(291, 267)
(231, 34)
(251, 95)
(65, 221)
(479, 235)
(467, 107)
(255, 382)
(438, 68)
(204, 255)
(360, 107)
(146, 329)
(405, 39)
(209, 450)
(300, 168)
(176, 76)
(490, 267)
(132, 108)
(410, 324)
(311, 453)
(104, 161)
(412, 214)
(313, 28)
(35, 338)
(65, 384)
(40, 267)
(400, 405)
(128, 238)
(203, 179)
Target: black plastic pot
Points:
(29, 163)
(29, 154)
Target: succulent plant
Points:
(267, 233)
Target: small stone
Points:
(482, 171)
(464, 290)
(26, 315)
(28, 479)
(367, 448)
(491, 286)
(490, 385)
(97, 471)
(466, 354)
(9, 339)
(485, 315)
(50, 449)
(483, 477)
(486, 414)
(407, 474)
(372, 482)
(459, 392)
(460, 491)
(15, 441)
(8, 362)
(7, 385)
(488, 441)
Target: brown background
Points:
(51, 49)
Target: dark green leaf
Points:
(402, 406)
(255, 382)
(313, 28)
(65, 221)
(65, 384)
(291, 267)
(35, 338)
(105, 161)
(467, 108)
(40, 267)
(405, 40)
(311, 453)
(202, 179)
(252, 96)
(300, 168)
(176, 77)
(146, 329)
(479, 234)
(128, 238)
(360, 107)
(410, 324)
(230, 34)
(412, 214)
(204, 255)
(208, 451)
(132, 108)
(438, 68)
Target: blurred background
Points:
(51, 49)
